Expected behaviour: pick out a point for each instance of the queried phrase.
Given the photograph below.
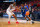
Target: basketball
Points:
(27, 13)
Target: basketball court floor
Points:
(22, 23)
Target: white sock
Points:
(31, 20)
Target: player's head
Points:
(25, 4)
(29, 5)
(22, 5)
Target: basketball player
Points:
(25, 12)
(10, 12)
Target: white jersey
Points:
(9, 10)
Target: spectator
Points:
(1, 13)
(34, 13)
(33, 17)
(39, 13)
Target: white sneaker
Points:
(32, 22)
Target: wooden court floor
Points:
(4, 23)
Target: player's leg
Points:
(9, 17)
(25, 17)
(28, 17)
(23, 14)
(27, 13)
(15, 18)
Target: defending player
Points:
(10, 12)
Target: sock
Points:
(31, 20)
(27, 19)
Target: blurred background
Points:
(34, 8)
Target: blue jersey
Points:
(27, 8)
(23, 9)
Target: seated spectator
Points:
(1, 13)
(39, 13)
(34, 14)
(33, 17)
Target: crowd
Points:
(36, 13)
(1, 13)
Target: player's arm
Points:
(18, 8)
(10, 8)
(26, 7)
